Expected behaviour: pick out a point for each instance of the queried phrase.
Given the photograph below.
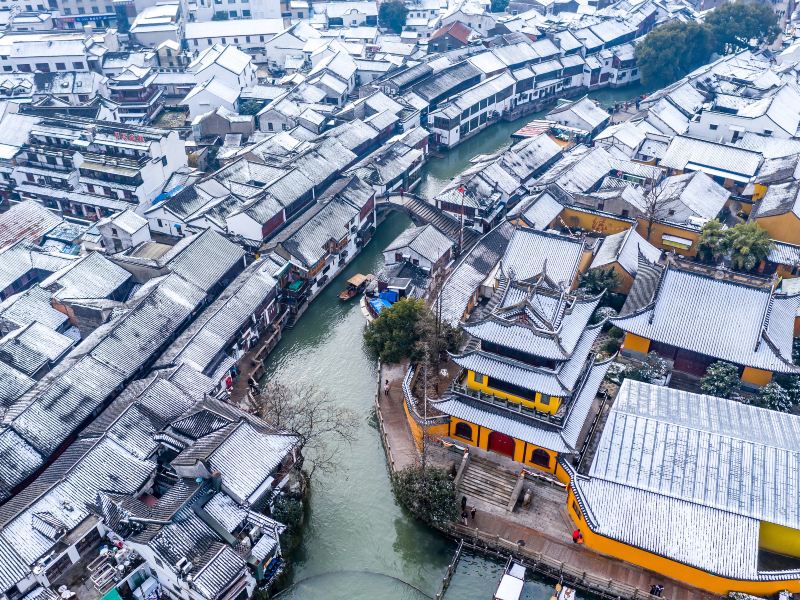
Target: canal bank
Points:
(357, 542)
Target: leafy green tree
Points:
(428, 493)
(721, 379)
(498, 6)
(395, 334)
(712, 238)
(735, 24)
(774, 397)
(748, 244)
(289, 511)
(392, 15)
(611, 346)
(596, 281)
(250, 107)
(671, 51)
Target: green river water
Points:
(358, 543)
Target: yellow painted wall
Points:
(607, 225)
(473, 441)
(756, 376)
(636, 343)
(562, 475)
(784, 228)
(438, 430)
(534, 402)
(659, 229)
(779, 539)
(759, 191)
(583, 266)
(522, 451)
(529, 452)
(675, 570)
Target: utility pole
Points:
(461, 229)
(425, 408)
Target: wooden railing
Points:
(451, 569)
(476, 540)
(387, 447)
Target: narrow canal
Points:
(358, 544)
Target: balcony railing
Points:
(508, 405)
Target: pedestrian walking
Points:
(386, 388)
(653, 589)
(463, 503)
(472, 512)
(464, 517)
(659, 590)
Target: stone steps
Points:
(487, 482)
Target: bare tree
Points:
(658, 206)
(318, 420)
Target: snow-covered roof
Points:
(690, 477)
(742, 323)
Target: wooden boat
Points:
(355, 285)
(512, 582)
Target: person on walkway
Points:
(464, 517)
(577, 537)
(472, 512)
(659, 590)
(653, 589)
(386, 388)
(463, 503)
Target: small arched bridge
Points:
(423, 212)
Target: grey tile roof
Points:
(541, 211)
(560, 381)
(27, 220)
(328, 222)
(531, 253)
(105, 466)
(29, 306)
(222, 569)
(13, 384)
(701, 155)
(218, 325)
(625, 248)
(93, 276)
(543, 323)
(13, 568)
(244, 445)
(781, 253)
(689, 464)
(427, 241)
(691, 195)
(206, 259)
(471, 271)
(780, 199)
(730, 321)
(33, 347)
